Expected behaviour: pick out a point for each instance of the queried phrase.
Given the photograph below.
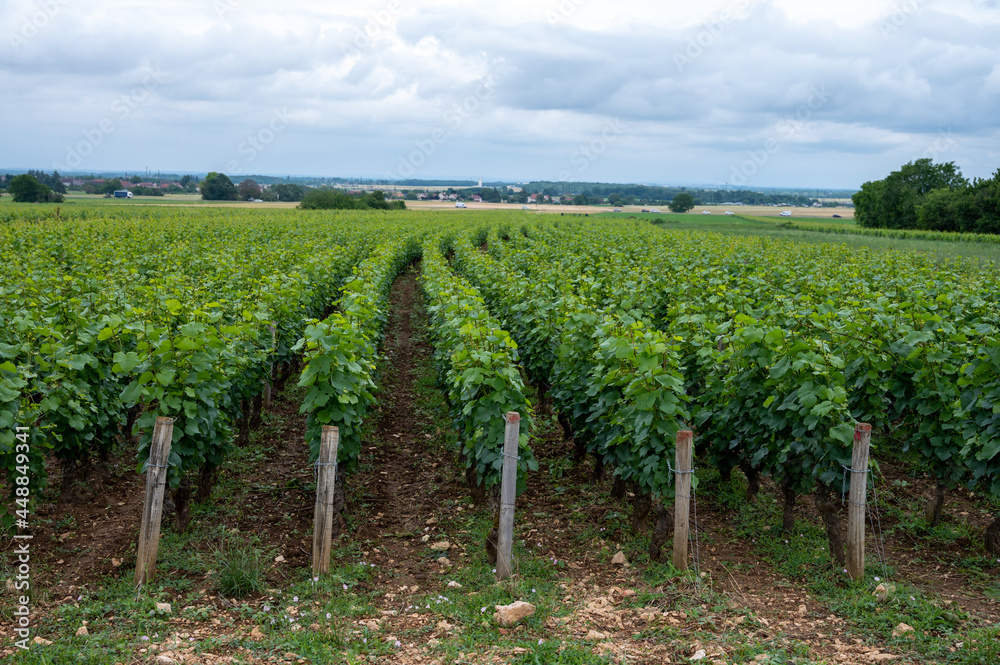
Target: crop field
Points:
(414, 332)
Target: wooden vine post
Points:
(326, 480)
(508, 492)
(682, 497)
(152, 510)
(856, 505)
(268, 399)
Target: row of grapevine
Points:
(783, 345)
(614, 379)
(478, 365)
(341, 351)
(109, 325)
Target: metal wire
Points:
(694, 537)
(879, 542)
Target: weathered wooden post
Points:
(682, 497)
(856, 504)
(326, 479)
(508, 492)
(152, 510)
(268, 398)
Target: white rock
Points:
(508, 615)
(454, 585)
(619, 559)
(163, 607)
(441, 546)
(699, 654)
(904, 629)
(41, 640)
(82, 631)
(425, 537)
(165, 660)
(279, 559)
(444, 561)
(884, 592)
(596, 636)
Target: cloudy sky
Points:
(751, 92)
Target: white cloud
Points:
(362, 82)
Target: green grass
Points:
(818, 230)
(803, 558)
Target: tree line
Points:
(929, 196)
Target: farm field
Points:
(414, 332)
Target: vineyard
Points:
(608, 337)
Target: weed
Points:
(242, 567)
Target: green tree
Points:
(248, 189)
(135, 180)
(288, 192)
(947, 210)
(218, 187)
(328, 199)
(682, 202)
(376, 200)
(109, 186)
(26, 189)
(893, 201)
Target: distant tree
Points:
(893, 201)
(109, 186)
(971, 208)
(135, 180)
(376, 200)
(248, 189)
(185, 180)
(53, 181)
(218, 187)
(682, 202)
(288, 192)
(328, 199)
(147, 191)
(26, 189)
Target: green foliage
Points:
(478, 364)
(331, 199)
(248, 189)
(284, 192)
(218, 187)
(26, 189)
(893, 202)
(341, 352)
(682, 202)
